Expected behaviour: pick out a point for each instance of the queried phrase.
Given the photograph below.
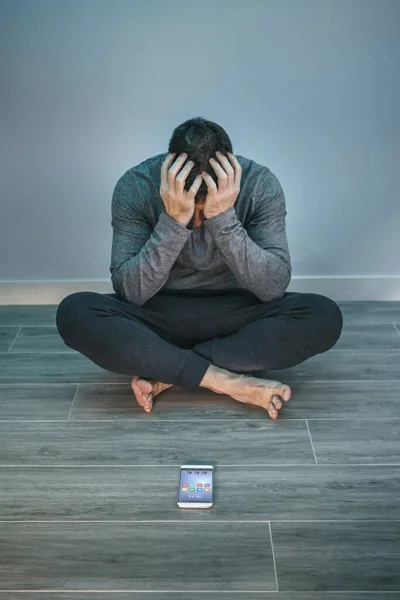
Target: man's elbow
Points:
(123, 290)
(287, 276)
(284, 279)
(277, 284)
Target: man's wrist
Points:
(214, 215)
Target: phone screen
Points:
(196, 485)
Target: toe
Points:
(148, 404)
(273, 413)
(277, 402)
(285, 392)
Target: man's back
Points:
(152, 252)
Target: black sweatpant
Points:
(176, 335)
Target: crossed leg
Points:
(278, 334)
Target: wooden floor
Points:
(305, 506)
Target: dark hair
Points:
(200, 139)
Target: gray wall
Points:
(309, 88)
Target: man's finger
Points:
(221, 174)
(209, 180)
(237, 168)
(194, 187)
(171, 174)
(164, 168)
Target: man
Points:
(200, 266)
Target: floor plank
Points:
(241, 493)
(116, 401)
(356, 441)
(310, 399)
(43, 339)
(28, 314)
(337, 555)
(36, 402)
(370, 311)
(200, 596)
(350, 365)
(163, 442)
(73, 367)
(374, 336)
(48, 367)
(141, 556)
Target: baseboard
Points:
(351, 287)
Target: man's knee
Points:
(70, 309)
(329, 315)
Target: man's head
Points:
(200, 139)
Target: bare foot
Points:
(252, 390)
(262, 392)
(146, 390)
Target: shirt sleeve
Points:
(141, 257)
(258, 255)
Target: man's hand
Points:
(178, 203)
(219, 199)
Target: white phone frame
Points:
(196, 504)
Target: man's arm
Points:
(259, 255)
(141, 257)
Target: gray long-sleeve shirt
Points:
(243, 247)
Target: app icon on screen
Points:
(184, 489)
(199, 489)
(199, 485)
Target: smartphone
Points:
(196, 486)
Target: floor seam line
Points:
(177, 465)
(12, 343)
(72, 403)
(312, 444)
